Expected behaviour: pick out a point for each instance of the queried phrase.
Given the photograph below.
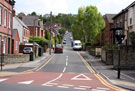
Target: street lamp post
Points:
(50, 30)
(120, 37)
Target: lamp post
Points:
(50, 30)
(34, 51)
(120, 37)
(2, 53)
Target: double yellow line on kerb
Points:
(101, 79)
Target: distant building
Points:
(107, 34)
(6, 8)
(36, 27)
(23, 30)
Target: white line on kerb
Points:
(64, 69)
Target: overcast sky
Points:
(69, 6)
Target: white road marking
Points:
(66, 63)
(49, 82)
(97, 90)
(78, 77)
(47, 85)
(26, 82)
(64, 69)
(68, 85)
(53, 83)
(84, 86)
(80, 88)
(103, 88)
(1, 80)
(62, 87)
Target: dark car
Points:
(59, 48)
(64, 42)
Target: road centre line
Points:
(64, 69)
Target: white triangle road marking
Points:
(26, 82)
(78, 77)
(1, 80)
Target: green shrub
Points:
(110, 47)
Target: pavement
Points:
(126, 81)
(127, 77)
(11, 69)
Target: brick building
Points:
(107, 37)
(6, 8)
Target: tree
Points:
(88, 24)
(47, 35)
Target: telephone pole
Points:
(50, 29)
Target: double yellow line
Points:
(101, 79)
(45, 63)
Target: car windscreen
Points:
(27, 48)
(58, 46)
(77, 44)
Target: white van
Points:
(77, 45)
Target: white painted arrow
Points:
(81, 77)
(1, 80)
(26, 82)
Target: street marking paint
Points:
(66, 63)
(81, 77)
(86, 63)
(103, 88)
(80, 88)
(62, 87)
(68, 85)
(84, 86)
(1, 80)
(45, 63)
(54, 79)
(26, 82)
(64, 69)
(47, 85)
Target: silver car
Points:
(27, 50)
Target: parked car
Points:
(58, 48)
(77, 45)
(27, 50)
(64, 42)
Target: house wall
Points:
(26, 35)
(5, 31)
(107, 34)
(19, 27)
(15, 44)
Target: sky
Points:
(42, 7)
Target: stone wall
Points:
(11, 58)
(107, 56)
(127, 58)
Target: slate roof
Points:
(21, 22)
(29, 20)
(109, 17)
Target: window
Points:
(5, 18)
(9, 24)
(130, 16)
(16, 46)
(0, 15)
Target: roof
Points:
(21, 22)
(122, 11)
(109, 17)
(29, 20)
(14, 31)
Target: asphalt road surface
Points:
(62, 72)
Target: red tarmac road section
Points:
(65, 80)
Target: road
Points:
(62, 72)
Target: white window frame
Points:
(5, 18)
(130, 16)
(0, 15)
